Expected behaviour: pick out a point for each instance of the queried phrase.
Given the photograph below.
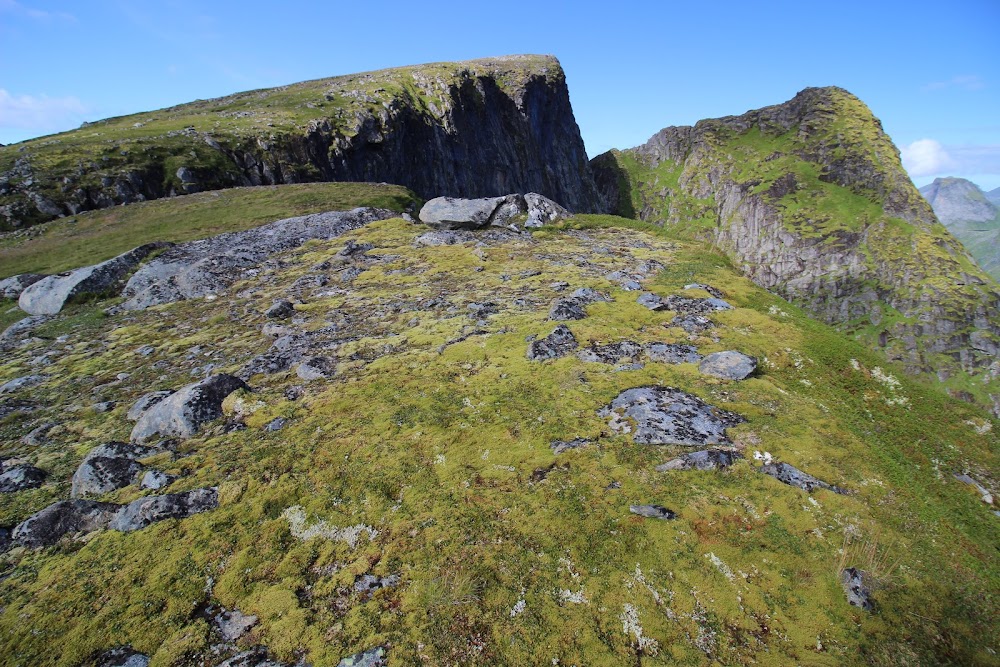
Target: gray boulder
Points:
(653, 512)
(121, 656)
(560, 446)
(856, 585)
(670, 353)
(573, 307)
(184, 411)
(20, 478)
(108, 467)
(156, 480)
(613, 353)
(559, 343)
(209, 266)
(316, 368)
(50, 294)
(66, 516)
(651, 301)
(728, 365)
(11, 288)
(706, 459)
(232, 623)
(668, 416)
(23, 382)
(145, 402)
(454, 213)
(792, 476)
(22, 329)
(438, 237)
(373, 657)
(280, 310)
(140, 513)
(542, 210)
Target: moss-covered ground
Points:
(433, 441)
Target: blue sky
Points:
(929, 70)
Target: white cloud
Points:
(41, 113)
(962, 82)
(926, 157)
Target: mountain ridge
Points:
(971, 216)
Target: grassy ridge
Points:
(95, 236)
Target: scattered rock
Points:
(104, 406)
(542, 210)
(316, 368)
(20, 329)
(692, 324)
(856, 586)
(232, 623)
(368, 584)
(255, 657)
(438, 237)
(708, 288)
(984, 493)
(108, 467)
(667, 416)
(121, 656)
(280, 310)
(373, 657)
(560, 446)
(706, 459)
(145, 402)
(276, 424)
(156, 480)
(181, 413)
(792, 476)
(728, 365)
(20, 478)
(140, 513)
(652, 511)
(651, 301)
(573, 306)
(24, 382)
(50, 294)
(11, 288)
(66, 516)
(670, 353)
(559, 343)
(37, 436)
(612, 353)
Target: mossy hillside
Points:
(95, 236)
(443, 451)
(214, 139)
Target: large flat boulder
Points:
(140, 513)
(11, 288)
(108, 467)
(20, 478)
(455, 213)
(66, 516)
(667, 416)
(49, 295)
(183, 412)
(209, 266)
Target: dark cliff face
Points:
(470, 129)
(810, 200)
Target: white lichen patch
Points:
(720, 566)
(980, 426)
(297, 524)
(631, 626)
(567, 596)
(518, 608)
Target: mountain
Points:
(477, 128)
(971, 216)
(467, 447)
(809, 199)
(994, 196)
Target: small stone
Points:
(233, 624)
(23, 382)
(276, 424)
(121, 656)
(557, 344)
(792, 476)
(560, 446)
(856, 586)
(104, 406)
(315, 368)
(155, 480)
(728, 365)
(653, 511)
(707, 459)
(373, 657)
(21, 478)
(651, 301)
(280, 310)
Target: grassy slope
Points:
(95, 236)
(436, 451)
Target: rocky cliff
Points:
(477, 128)
(810, 200)
(971, 216)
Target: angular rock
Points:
(316, 368)
(145, 402)
(232, 623)
(438, 237)
(560, 446)
(373, 657)
(572, 307)
(653, 512)
(121, 656)
(280, 310)
(181, 413)
(855, 583)
(155, 480)
(11, 288)
(728, 365)
(104, 406)
(255, 657)
(708, 288)
(208, 267)
(668, 416)
(559, 343)
(108, 467)
(49, 295)
(542, 210)
(368, 584)
(37, 436)
(792, 476)
(613, 353)
(23, 382)
(66, 516)
(145, 511)
(651, 301)
(670, 353)
(984, 493)
(706, 459)
(22, 328)
(454, 213)
(276, 424)
(20, 478)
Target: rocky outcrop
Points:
(209, 266)
(667, 416)
(48, 295)
(140, 513)
(183, 412)
(809, 199)
(20, 477)
(478, 128)
(533, 209)
(108, 467)
(728, 365)
(792, 476)
(559, 343)
(11, 288)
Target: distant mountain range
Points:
(971, 215)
